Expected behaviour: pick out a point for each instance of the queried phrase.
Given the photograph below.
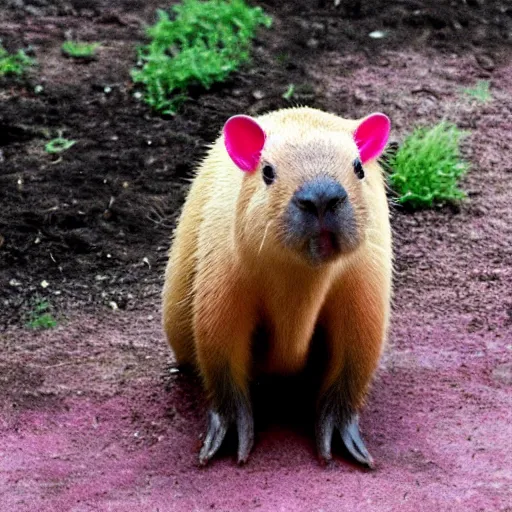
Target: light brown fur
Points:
(229, 271)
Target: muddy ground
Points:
(93, 416)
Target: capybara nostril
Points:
(320, 196)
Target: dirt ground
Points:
(94, 417)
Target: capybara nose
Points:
(320, 196)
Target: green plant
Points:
(58, 145)
(289, 92)
(14, 64)
(480, 91)
(40, 317)
(80, 50)
(427, 166)
(202, 44)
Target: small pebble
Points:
(485, 62)
(378, 34)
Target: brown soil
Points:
(91, 417)
(95, 223)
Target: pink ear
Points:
(372, 135)
(244, 139)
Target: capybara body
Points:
(285, 228)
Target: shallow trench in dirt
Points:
(93, 416)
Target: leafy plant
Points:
(40, 317)
(58, 145)
(201, 43)
(427, 167)
(480, 91)
(80, 50)
(14, 64)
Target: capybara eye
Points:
(269, 174)
(358, 168)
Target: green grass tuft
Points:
(480, 91)
(58, 145)
(40, 317)
(427, 167)
(14, 64)
(201, 43)
(80, 50)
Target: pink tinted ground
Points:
(93, 419)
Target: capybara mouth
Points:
(324, 246)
